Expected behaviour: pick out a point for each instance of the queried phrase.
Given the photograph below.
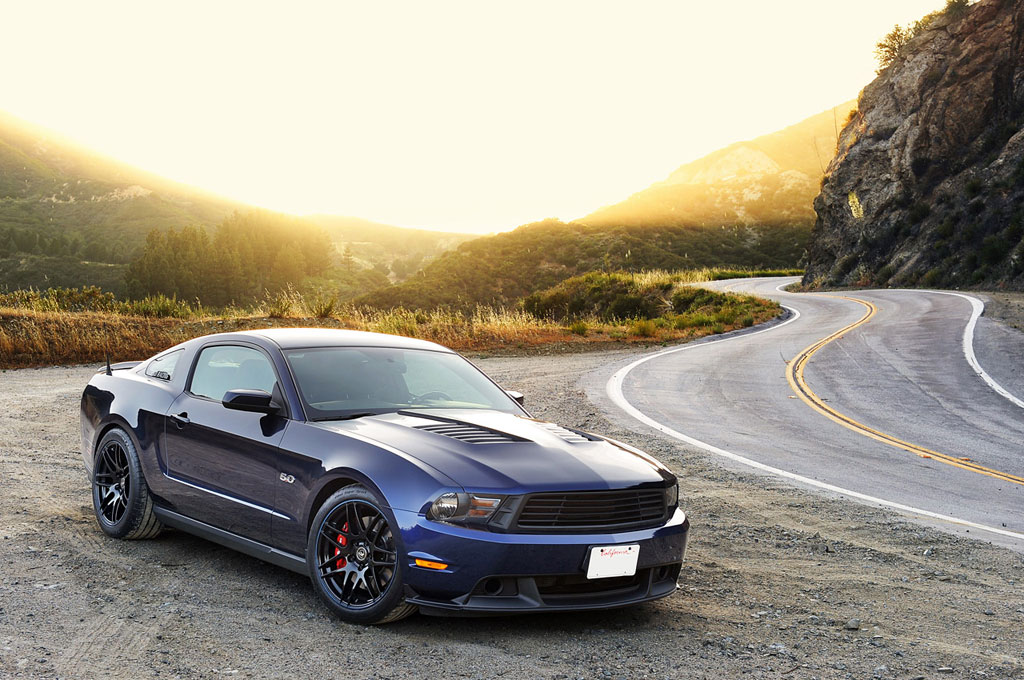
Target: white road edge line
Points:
(613, 388)
(977, 307)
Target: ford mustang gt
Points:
(391, 471)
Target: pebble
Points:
(852, 624)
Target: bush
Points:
(320, 305)
(279, 305)
(919, 211)
(932, 278)
(695, 320)
(159, 306)
(604, 295)
(689, 299)
(84, 299)
(579, 328)
(643, 328)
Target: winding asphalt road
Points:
(888, 411)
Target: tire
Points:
(354, 560)
(120, 496)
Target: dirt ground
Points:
(1006, 307)
(778, 583)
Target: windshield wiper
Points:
(347, 416)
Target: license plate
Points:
(613, 560)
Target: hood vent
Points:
(565, 433)
(473, 434)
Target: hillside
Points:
(502, 269)
(56, 188)
(928, 183)
(397, 251)
(770, 180)
(70, 217)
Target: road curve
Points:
(953, 446)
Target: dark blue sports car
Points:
(391, 471)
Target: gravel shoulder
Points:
(1006, 307)
(779, 582)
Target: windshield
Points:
(335, 382)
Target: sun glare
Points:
(461, 116)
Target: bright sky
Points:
(466, 116)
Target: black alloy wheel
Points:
(354, 559)
(120, 496)
(113, 481)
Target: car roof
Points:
(296, 338)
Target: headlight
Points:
(462, 507)
(445, 507)
(672, 496)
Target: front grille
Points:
(474, 434)
(593, 510)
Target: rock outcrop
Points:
(927, 186)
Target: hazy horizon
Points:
(452, 116)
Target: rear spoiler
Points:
(120, 366)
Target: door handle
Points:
(181, 419)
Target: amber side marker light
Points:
(430, 565)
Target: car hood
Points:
(505, 453)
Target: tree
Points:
(891, 45)
(289, 267)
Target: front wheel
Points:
(120, 496)
(353, 559)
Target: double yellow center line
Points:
(795, 376)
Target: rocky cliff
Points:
(927, 186)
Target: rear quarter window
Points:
(162, 368)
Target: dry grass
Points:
(41, 338)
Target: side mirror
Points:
(518, 396)
(256, 401)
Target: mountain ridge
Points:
(768, 180)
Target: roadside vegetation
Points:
(891, 46)
(80, 325)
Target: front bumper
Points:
(493, 573)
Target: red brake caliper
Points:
(344, 541)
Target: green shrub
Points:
(278, 305)
(919, 211)
(320, 305)
(159, 306)
(693, 320)
(945, 230)
(579, 328)
(884, 274)
(726, 315)
(994, 249)
(643, 328)
(84, 299)
(689, 299)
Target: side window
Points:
(163, 367)
(229, 367)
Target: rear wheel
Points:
(120, 495)
(353, 559)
